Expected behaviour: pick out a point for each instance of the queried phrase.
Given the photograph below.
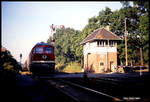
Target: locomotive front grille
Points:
(43, 61)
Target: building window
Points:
(38, 50)
(101, 64)
(49, 50)
(111, 43)
(106, 42)
(100, 43)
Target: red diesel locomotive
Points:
(41, 59)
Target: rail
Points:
(86, 94)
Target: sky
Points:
(26, 23)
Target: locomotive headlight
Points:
(44, 56)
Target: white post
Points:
(140, 71)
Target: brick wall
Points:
(98, 63)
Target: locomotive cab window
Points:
(39, 50)
(49, 50)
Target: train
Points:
(41, 59)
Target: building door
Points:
(101, 67)
(111, 66)
(101, 63)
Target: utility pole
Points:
(125, 35)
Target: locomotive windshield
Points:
(39, 50)
(49, 50)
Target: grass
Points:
(72, 67)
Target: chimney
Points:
(107, 27)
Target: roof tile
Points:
(100, 34)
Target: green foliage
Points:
(8, 63)
(67, 45)
(144, 38)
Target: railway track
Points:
(100, 89)
(80, 93)
(113, 87)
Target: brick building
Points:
(100, 51)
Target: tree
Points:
(67, 45)
(143, 28)
(144, 37)
(8, 63)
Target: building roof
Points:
(100, 34)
